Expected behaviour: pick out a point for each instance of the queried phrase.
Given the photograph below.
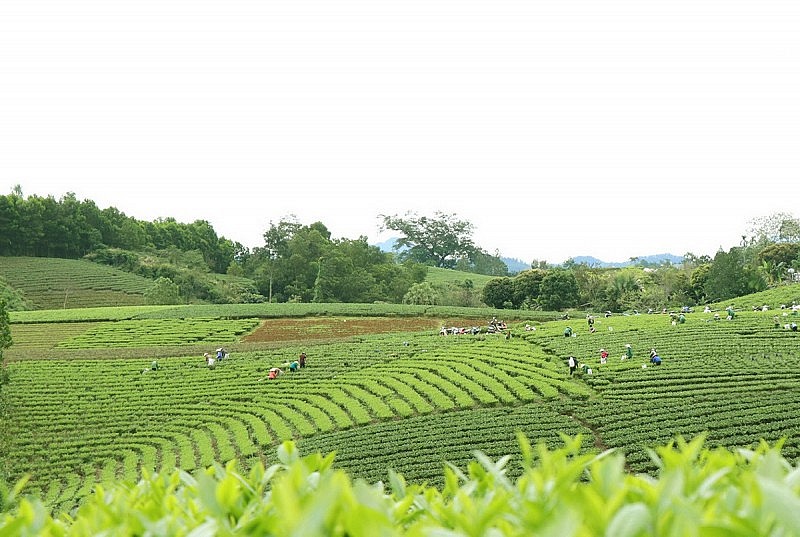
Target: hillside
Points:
(438, 275)
(95, 411)
(51, 283)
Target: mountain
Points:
(515, 265)
(388, 245)
(656, 259)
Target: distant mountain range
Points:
(656, 259)
(517, 265)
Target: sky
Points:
(559, 129)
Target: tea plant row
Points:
(85, 421)
(52, 283)
(406, 402)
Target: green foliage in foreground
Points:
(561, 492)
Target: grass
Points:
(437, 275)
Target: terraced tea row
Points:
(144, 333)
(126, 333)
(736, 379)
(59, 283)
(410, 446)
(406, 401)
(110, 418)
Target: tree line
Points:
(297, 262)
(305, 263)
(43, 226)
(768, 255)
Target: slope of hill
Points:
(456, 277)
(783, 295)
(51, 283)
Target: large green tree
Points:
(731, 275)
(499, 293)
(558, 290)
(440, 240)
(304, 263)
(526, 287)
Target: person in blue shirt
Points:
(655, 359)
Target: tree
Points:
(482, 262)
(499, 293)
(558, 290)
(526, 286)
(592, 284)
(775, 259)
(622, 290)
(691, 260)
(731, 276)
(697, 283)
(421, 294)
(5, 328)
(439, 241)
(163, 291)
(777, 227)
(277, 237)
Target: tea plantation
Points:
(408, 402)
(49, 283)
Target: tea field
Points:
(409, 400)
(50, 283)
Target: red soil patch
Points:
(342, 327)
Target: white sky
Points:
(558, 128)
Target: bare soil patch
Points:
(316, 328)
